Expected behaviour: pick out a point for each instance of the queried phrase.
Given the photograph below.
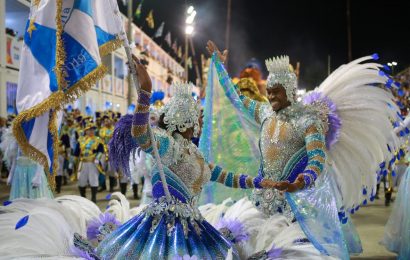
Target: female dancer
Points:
(171, 226)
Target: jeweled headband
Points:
(281, 73)
(182, 111)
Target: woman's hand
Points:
(142, 74)
(298, 184)
(211, 47)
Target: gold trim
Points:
(110, 46)
(84, 84)
(60, 52)
(54, 133)
(56, 101)
(257, 111)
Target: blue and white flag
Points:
(60, 60)
(108, 25)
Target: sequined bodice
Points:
(281, 138)
(190, 165)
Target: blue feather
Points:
(22, 222)
(382, 165)
(7, 202)
(386, 68)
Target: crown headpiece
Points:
(182, 111)
(280, 73)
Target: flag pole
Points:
(130, 36)
(134, 80)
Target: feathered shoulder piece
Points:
(357, 110)
(326, 111)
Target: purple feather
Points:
(121, 145)
(274, 253)
(94, 226)
(334, 120)
(236, 229)
(80, 253)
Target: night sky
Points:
(307, 31)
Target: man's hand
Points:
(211, 47)
(298, 184)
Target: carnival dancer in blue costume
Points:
(323, 152)
(171, 226)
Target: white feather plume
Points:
(366, 128)
(48, 232)
(119, 208)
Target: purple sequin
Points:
(242, 181)
(140, 119)
(257, 182)
(144, 98)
